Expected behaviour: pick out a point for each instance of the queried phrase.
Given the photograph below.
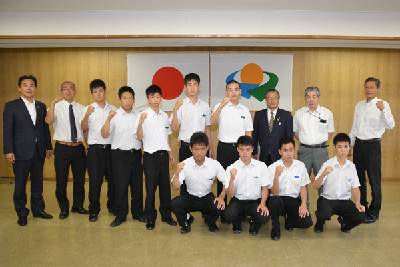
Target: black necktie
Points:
(74, 135)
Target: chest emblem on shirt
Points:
(166, 127)
(204, 115)
(296, 176)
(242, 117)
(211, 178)
(256, 177)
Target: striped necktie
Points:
(271, 122)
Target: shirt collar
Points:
(205, 163)
(187, 100)
(336, 162)
(151, 112)
(318, 109)
(124, 112)
(27, 102)
(97, 105)
(65, 103)
(241, 164)
(294, 164)
(237, 106)
(373, 101)
(273, 112)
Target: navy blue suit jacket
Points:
(19, 132)
(283, 126)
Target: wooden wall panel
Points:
(338, 72)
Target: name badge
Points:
(296, 176)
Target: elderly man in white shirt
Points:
(247, 181)
(338, 176)
(289, 179)
(199, 173)
(65, 114)
(372, 117)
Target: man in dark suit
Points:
(26, 138)
(270, 125)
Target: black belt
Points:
(159, 152)
(230, 144)
(101, 146)
(184, 143)
(369, 140)
(128, 151)
(315, 146)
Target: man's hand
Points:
(303, 211)
(49, 154)
(178, 103)
(143, 116)
(10, 157)
(263, 208)
(233, 172)
(221, 203)
(225, 101)
(349, 155)
(360, 207)
(111, 114)
(328, 170)
(179, 167)
(90, 110)
(211, 154)
(255, 156)
(171, 158)
(379, 104)
(57, 99)
(279, 170)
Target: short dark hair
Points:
(272, 91)
(152, 89)
(286, 140)
(372, 79)
(27, 77)
(245, 140)
(230, 82)
(341, 137)
(124, 89)
(198, 138)
(192, 76)
(97, 83)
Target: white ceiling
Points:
(91, 5)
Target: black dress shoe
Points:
(93, 217)
(290, 229)
(371, 218)
(318, 229)
(63, 214)
(275, 235)
(150, 225)
(22, 220)
(213, 228)
(224, 221)
(116, 223)
(190, 220)
(253, 229)
(80, 210)
(185, 229)
(344, 229)
(170, 221)
(140, 219)
(44, 215)
(237, 230)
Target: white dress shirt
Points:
(199, 179)
(233, 122)
(96, 122)
(192, 118)
(123, 125)
(31, 109)
(338, 183)
(311, 130)
(61, 124)
(156, 130)
(291, 179)
(249, 179)
(369, 121)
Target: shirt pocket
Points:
(321, 127)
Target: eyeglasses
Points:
(68, 89)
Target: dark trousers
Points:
(184, 153)
(269, 160)
(239, 208)
(128, 171)
(156, 171)
(367, 157)
(64, 157)
(288, 207)
(183, 204)
(227, 154)
(98, 166)
(345, 208)
(22, 168)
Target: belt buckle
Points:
(104, 146)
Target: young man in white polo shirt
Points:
(152, 127)
(65, 114)
(289, 178)
(338, 176)
(199, 172)
(247, 183)
(126, 155)
(234, 120)
(99, 151)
